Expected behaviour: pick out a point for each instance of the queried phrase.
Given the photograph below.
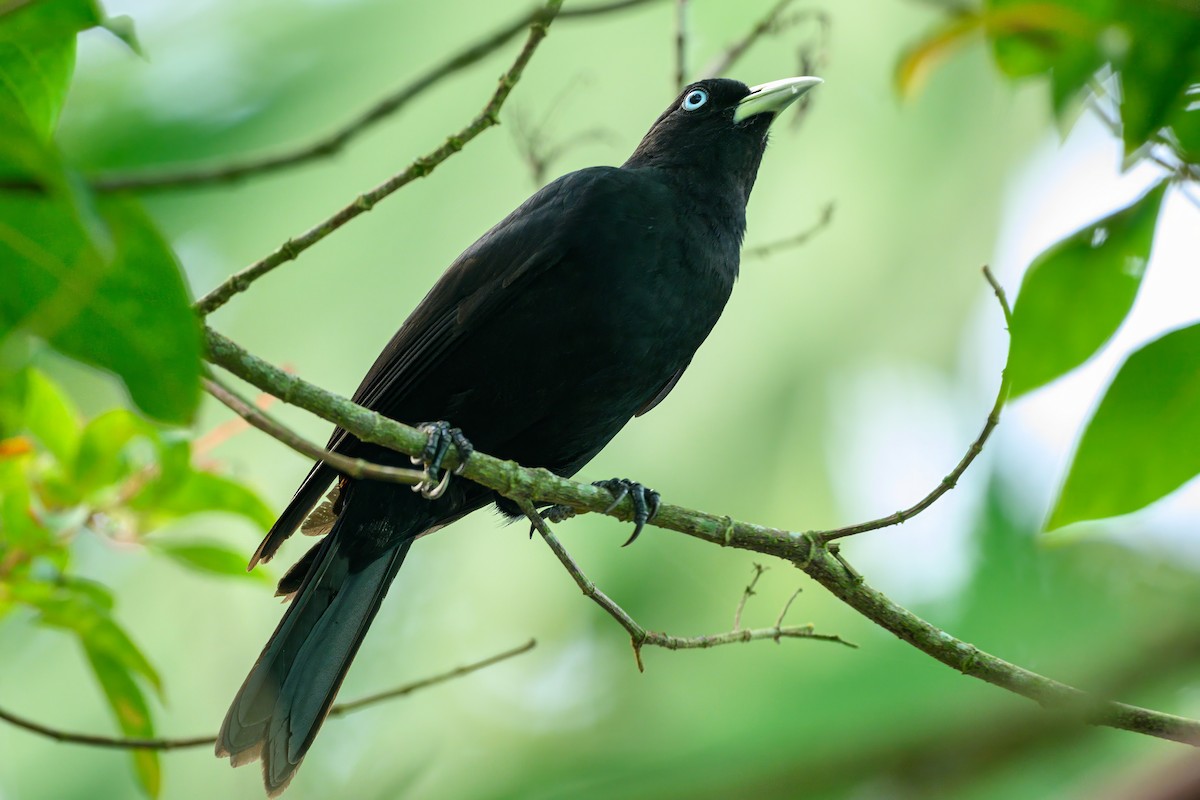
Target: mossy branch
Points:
(807, 551)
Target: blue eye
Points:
(694, 99)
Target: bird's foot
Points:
(645, 502)
(441, 436)
(555, 514)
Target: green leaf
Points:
(101, 460)
(122, 28)
(1185, 125)
(17, 522)
(46, 19)
(83, 608)
(1163, 54)
(100, 284)
(132, 713)
(204, 491)
(1076, 294)
(76, 607)
(1140, 445)
(209, 557)
(51, 417)
(174, 464)
(37, 57)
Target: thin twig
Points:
(208, 441)
(763, 250)
(681, 44)
(807, 552)
(351, 467)
(531, 139)
(639, 636)
(726, 59)
(787, 606)
(811, 57)
(199, 741)
(759, 569)
(457, 672)
(951, 480)
(420, 168)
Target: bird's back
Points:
(578, 307)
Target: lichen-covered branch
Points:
(806, 551)
(420, 168)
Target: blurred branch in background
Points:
(811, 56)
(765, 26)
(200, 741)
(640, 637)
(333, 143)
(681, 44)
(948, 760)
(420, 168)
(764, 250)
(533, 143)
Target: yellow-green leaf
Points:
(51, 417)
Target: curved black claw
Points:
(441, 436)
(555, 514)
(646, 502)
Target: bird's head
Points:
(718, 125)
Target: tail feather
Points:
(283, 701)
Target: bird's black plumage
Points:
(575, 313)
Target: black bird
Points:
(577, 312)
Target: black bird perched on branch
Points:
(577, 312)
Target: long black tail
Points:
(284, 700)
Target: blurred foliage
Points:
(90, 275)
(116, 477)
(1140, 58)
(884, 721)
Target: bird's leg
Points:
(441, 436)
(645, 502)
